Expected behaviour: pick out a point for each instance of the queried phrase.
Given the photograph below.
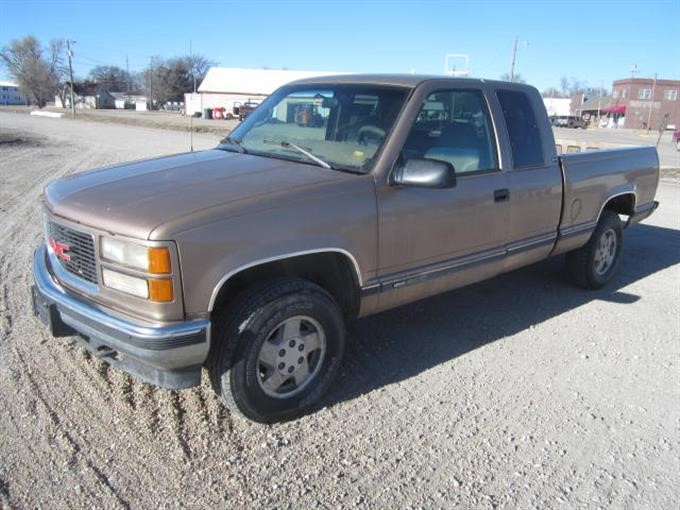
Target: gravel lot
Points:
(669, 157)
(151, 119)
(519, 392)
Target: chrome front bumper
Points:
(169, 356)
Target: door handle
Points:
(501, 195)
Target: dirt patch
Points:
(17, 139)
(671, 174)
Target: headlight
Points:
(159, 290)
(125, 283)
(151, 260)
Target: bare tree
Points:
(168, 80)
(198, 67)
(552, 92)
(114, 78)
(59, 68)
(570, 87)
(38, 75)
(517, 78)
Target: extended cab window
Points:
(454, 126)
(525, 139)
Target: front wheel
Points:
(595, 263)
(277, 350)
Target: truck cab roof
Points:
(400, 80)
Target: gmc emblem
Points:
(60, 249)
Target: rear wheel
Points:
(594, 264)
(277, 350)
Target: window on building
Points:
(670, 95)
(645, 94)
(624, 93)
(615, 94)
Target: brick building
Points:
(646, 100)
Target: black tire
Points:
(582, 264)
(234, 363)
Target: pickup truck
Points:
(246, 109)
(247, 260)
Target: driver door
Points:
(433, 240)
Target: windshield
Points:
(338, 126)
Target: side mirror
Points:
(425, 173)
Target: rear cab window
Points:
(523, 131)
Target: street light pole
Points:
(651, 103)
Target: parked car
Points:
(248, 259)
(676, 139)
(569, 121)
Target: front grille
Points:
(82, 259)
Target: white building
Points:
(10, 93)
(127, 101)
(558, 106)
(226, 87)
(87, 96)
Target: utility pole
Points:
(599, 102)
(127, 70)
(193, 68)
(651, 103)
(511, 74)
(70, 72)
(633, 70)
(151, 82)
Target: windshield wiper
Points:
(235, 143)
(289, 145)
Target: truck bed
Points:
(593, 178)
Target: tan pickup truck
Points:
(337, 198)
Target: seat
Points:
(463, 160)
(457, 145)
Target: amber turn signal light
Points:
(161, 291)
(159, 261)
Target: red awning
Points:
(619, 108)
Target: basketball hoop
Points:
(457, 65)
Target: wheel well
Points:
(621, 204)
(333, 271)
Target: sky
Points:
(591, 41)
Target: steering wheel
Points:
(371, 133)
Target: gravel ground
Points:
(519, 392)
(151, 118)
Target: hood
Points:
(135, 198)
